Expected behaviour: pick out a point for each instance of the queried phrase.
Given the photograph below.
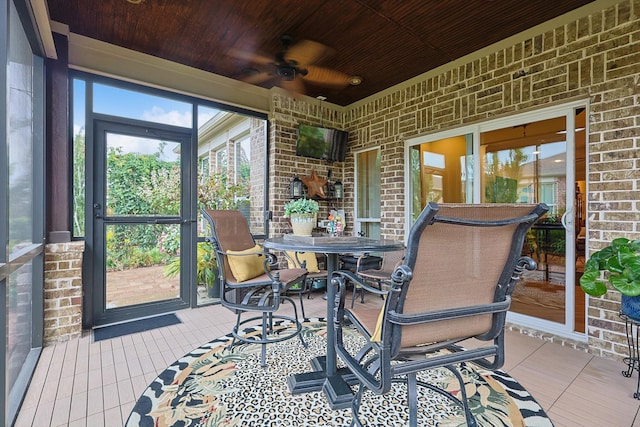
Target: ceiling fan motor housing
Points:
(288, 72)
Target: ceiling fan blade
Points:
(295, 86)
(249, 56)
(257, 78)
(326, 77)
(308, 52)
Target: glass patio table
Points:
(325, 375)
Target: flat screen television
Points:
(322, 143)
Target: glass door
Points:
(527, 163)
(532, 158)
(141, 220)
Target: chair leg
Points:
(236, 329)
(306, 288)
(353, 295)
(412, 399)
(471, 421)
(297, 320)
(355, 407)
(304, 316)
(265, 326)
(309, 283)
(295, 315)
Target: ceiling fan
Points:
(294, 65)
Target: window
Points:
(203, 166)
(368, 193)
(221, 161)
(78, 149)
(21, 175)
(243, 165)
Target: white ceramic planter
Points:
(303, 224)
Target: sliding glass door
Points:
(529, 158)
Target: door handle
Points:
(165, 221)
(563, 220)
(96, 210)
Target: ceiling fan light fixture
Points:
(355, 80)
(286, 72)
(289, 71)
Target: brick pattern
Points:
(258, 148)
(595, 58)
(287, 114)
(63, 292)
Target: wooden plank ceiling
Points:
(384, 42)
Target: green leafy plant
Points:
(207, 265)
(621, 261)
(215, 192)
(301, 206)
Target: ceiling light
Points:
(355, 80)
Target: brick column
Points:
(63, 291)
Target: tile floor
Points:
(93, 384)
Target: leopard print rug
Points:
(215, 385)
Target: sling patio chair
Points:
(308, 261)
(390, 260)
(251, 283)
(455, 283)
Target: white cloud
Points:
(131, 144)
(175, 118)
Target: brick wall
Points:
(63, 291)
(595, 58)
(258, 141)
(287, 114)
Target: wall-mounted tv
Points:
(322, 143)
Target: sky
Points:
(124, 103)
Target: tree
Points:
(78, 183)
(501, 177)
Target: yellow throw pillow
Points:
(245, 267)
(377, 333)
(309, 257)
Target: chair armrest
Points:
(348, 275)
(360, 258)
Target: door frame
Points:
(567, 110)
(95, 245)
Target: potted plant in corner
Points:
(621, 263)
(206, 269)
(303, 214)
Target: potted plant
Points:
(303, 214)
(621, 263)
(206, 267)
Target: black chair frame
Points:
(372, 365)
(263, 294)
